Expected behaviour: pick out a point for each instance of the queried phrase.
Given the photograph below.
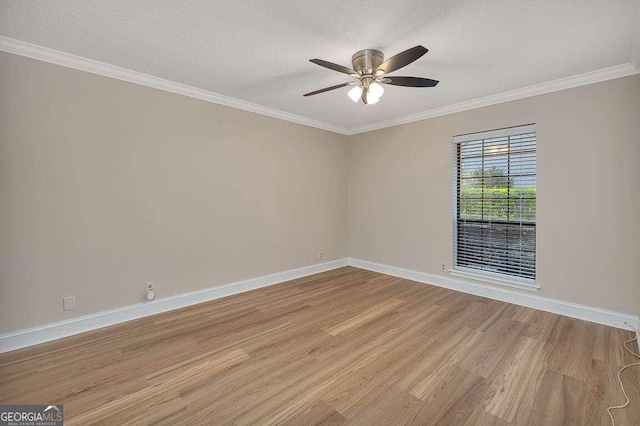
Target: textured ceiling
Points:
(258, 51)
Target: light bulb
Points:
(355, 93)
(372, 100)
(375, 90)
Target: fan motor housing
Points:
(366, 61)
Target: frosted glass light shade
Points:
(355, 93)
(375, 90)
(372, 100)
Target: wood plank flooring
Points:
(348, 347)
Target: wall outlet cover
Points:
(68, 303)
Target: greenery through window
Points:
(496, 202)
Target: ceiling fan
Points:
(370, 69)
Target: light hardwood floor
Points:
(343, 347)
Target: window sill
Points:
(494, 279)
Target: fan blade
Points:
(410, 81)
(326, 89)
(333, 66)
(402, 59)
(364, 96)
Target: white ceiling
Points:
(258, 50)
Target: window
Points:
(495, 205)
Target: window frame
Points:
(478, 274)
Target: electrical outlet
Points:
(149, 290)
(443, 267)
(68, 303)
(320, 255)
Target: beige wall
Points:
(105, 185)
(400, 191)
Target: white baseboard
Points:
(33, 336)
(574, 310)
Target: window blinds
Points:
(495, 202)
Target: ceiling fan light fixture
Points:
(355, 93)
(370, 69)
(375, 90)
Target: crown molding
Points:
(525, 92)
(72, 61)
